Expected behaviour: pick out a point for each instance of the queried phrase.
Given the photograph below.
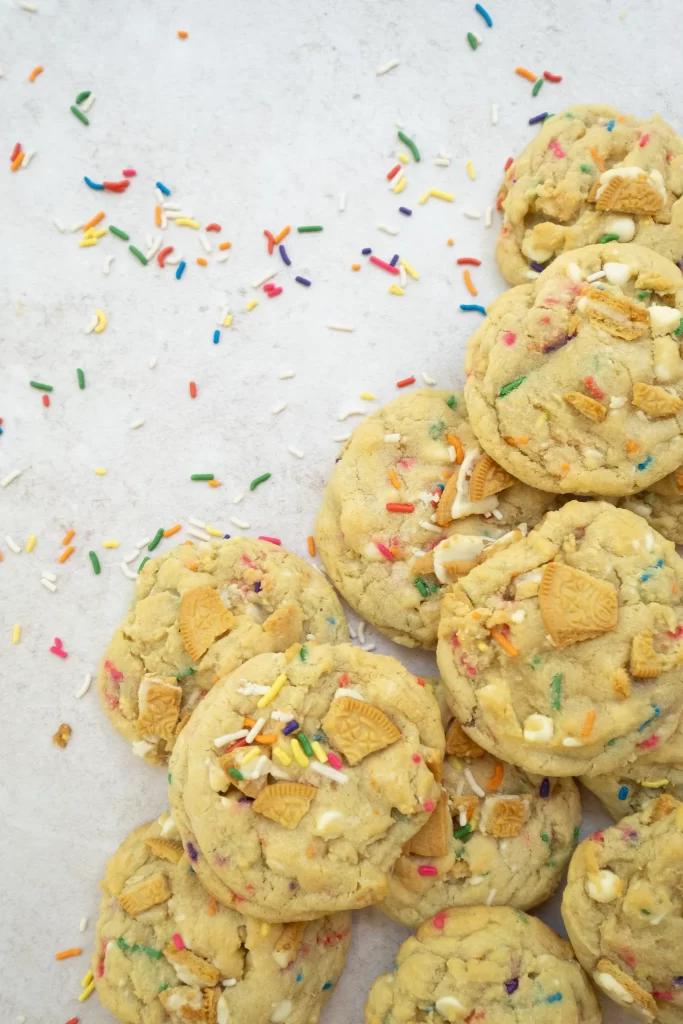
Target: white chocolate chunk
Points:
(663, 319)
(450, 1008)
(281, 1011)
(604, 887)
(457, 548)
(617, 273)
(538, 729)
(625, 227)
(329, 825)
(574, 272)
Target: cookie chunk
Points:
(563, 653)
(186, 958)
(591, 172)
(623, 910)
(479, 963)
(500, 837)
(585, 363)
(301, 777)
(199, 612)
(413, 502)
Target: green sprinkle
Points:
(235, 774)
(303, 653)
(679, 330)
(202, 476)
(556, 690)
(537, 87)
(421, 586)
(512, 386)
(155, 539)
(81, 378)
(79, 114)
(609, 238)
(164, 987)
(642, 296)
(644, 911)
(186, 672)
(306, 229)
(545, 837)
(534, 662)
(141, 256)
(41, 387)
(143, 563)
(119, 233)
(168, 778)
(155, 954)
(460, 853)
(460, 832)
(452, 402)
(437, 429)
(259, 480)
(471, 39)
(82, 96)
(576, 834)
(411, 145)
(305, 744)
(96, 568)
(585, 168)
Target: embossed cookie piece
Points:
(638, 195)
(503, 816)
(655, 401)
(183, 1003)
(576, 606)
(358, 729)
(203, 618)
(458, 742)
(588, 407)
(285, 802)
(288, 944)
(618, 316)
(210, 997)
(166, 849)
(621, 986)
(145, 894)
(190, 968)
(432, 839)
(159, 702)
(645, 662)
(444, 510)
(488, 478)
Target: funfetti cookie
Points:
(661, 505)
(591, 174)
(167, 951)
(412, 503)
(563, 653)
(199, 612)
(301, 776)
(576, 380)
(623, 910)
(484, 964)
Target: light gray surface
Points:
(261, 118)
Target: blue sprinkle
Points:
(470, 307)
(657, 711)
(290, 727)
(257, 587)
(623, 793)
(394, 260)
(538, 118)
(545, 788)
(216, 337)
(285, 258)
(556, 997)
(327, 985)
(610, 125)
(191, 852)
(1, 430)
(299, 976)
(678, 981)
(93, 184)
(366, 252)
(645, 463)
(644, 577)
(179, 271)
(303, 280)
(226, 536)
(162, 188)
(538, 267)
(486, 16)
(659, 563)
(404, 209)
(332, 621)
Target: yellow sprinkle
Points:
(31, 542)
(299, 755)
(100, 470)
(483, 646)
(16, 634)
(423, 199)
(110, 543)
(368, 396)
(403, 157)
(187, 222)
(319, 751)
(655, 785)
(470, 170)
(400, 184)
(101, 321)
(396, 289)
(410, 271)
(99, 233)
(273, 691)
(228, 320)
(281, 756)
(86, 980)
(251, 753)
(251, 304)
(85, 242)
(541, 420)
(265, 928)
(87, 992)
(448, 197)
(90, 233)
(213, 531)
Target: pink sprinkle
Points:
(662, 995)
(58, 642)
(598, 837)
(272, 540)
(59, 651)
(179, 944)
(509, 338)
(557, 149)
(439, 921)
(628, 956)
(129, 172)
(269, 287)
(427, 869)
(384, 550)
(649, 743)
(644, 139)
(407, 463)
(334, 760)
(273, 292)
(416, 758)
(113, 672)
(429, 806)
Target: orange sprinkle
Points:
(310, 851)
(395, 482)
(457, 444)
(588, 723)
(674, 586)
(469, 284)
(446, 474)
(632, 446)
(93, 221)
(182, 34)
(172, 530)
(311, 546)
(67, 537)
(225, 245)
(355, 266)
(524, 439)
(157, 216)
(212, 908)
(192, 566)
(525, 73)
(18, 161)
(598, 159)
(248, 722)
(450, 242)
(1, 556)
(66, 953)
(38, 70)
(201, 261)
(497, 777)
(66, 553)
(564, 468)
(501, 639)
(267, 738)
(214, 483)
(283, 234)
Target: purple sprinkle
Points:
(560, 343)
(545, 788)
(538, 267)
(678, 982)
(538, 117)
(257, 587)
(292, 885)
(366, 252)
(192, 852)
(226, 536)
(285, 258)
(404, 209)
(512, 986)
(290, 727)
(303, 280)
(244, 800)
(394, 260)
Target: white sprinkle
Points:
(330, 773)
(341, 202)
(340, 327)
(48, 576)
(278, 408)
(92, 324)
(87, 104)
(48, 585)
(496, 513)
(198, 534)
(58, 224)
(131, 558)
(389, 66)
(248, 689)
(170, 206)
(237, 499)
(76, 227)
(472, 214)
(287, 375)
(451, 453)
(262, 280)
(174, 214)
(392, 438)
(152, 362)
(223, 315)
(596, 276)
(402, 276)
(351, 412)
(13, 545)
(478, 37)
(229, 982)
(196, 522)
(31, 8)
(488, 217)
(494, 113)
(204, 242)
(153, 246)
(126, 572)
(369, 647)
(172, 261)
(27, 159)
(429, 381)
(361, 631)
(442, 163)
(255, 729)
(296, 451)
(137, 423)
(84, 920)
(352, 632)
(241, 524)
(106, 266)
(387, 229)
(518, 616)
(143, 543)
(159, 195)
(164, 221)
(475, 787)
(492, 895)
(341, 437)
(220, 259)
(230, 737)
(81, 693)
(431, 527)
(617, 401)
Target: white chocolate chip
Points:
(663, 319)
(457, 548)
(450, 1008)
(571, 741)
(574, 272)
(222, 1012)
(617, 273)
(625, 227)
(538, 729)
(617, 402)
(604, 887)
(518, 616)
(328, 825)
(281, 1011)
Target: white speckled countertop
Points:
(262, 117)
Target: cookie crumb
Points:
(62, 736)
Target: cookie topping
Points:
(574, 605)
(631, 190)
(358, 729)
(285, 802)
(586, 406)
(145, 894)
(202, 619)
(159, 707)
(655, 401)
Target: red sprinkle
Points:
(15, 152)
(384, 550)
(469, 261)
(509, 338)
(59, 651)
(178, 942)
(46, 400)
(427, 869)
(399, 506)
(405, 382)
(419, 680)
(644, 139)
(344, 679)
(508, 163)
(551, 78)
(499, 203)
(271, 242)
(240, 743)
(429, 806)
(213, 227)
(272, 292)
(161, 256)
(439, 921)
(649, 743)
(593, 387)
(129, 172)
(193, 389)
(74, 1020)
(393, 172)
(385, 266)
(662, 995)
(269, 287)
(272, 540)
(116, 186)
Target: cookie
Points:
(491, 963)
(413, 503)
(179, 956)
(576, 381)
(623, 910)
(198, 613)
(302, 775)
(661, 505)
(591, 172)
(498, 837)
(562, 653)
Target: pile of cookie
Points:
(525, 529)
